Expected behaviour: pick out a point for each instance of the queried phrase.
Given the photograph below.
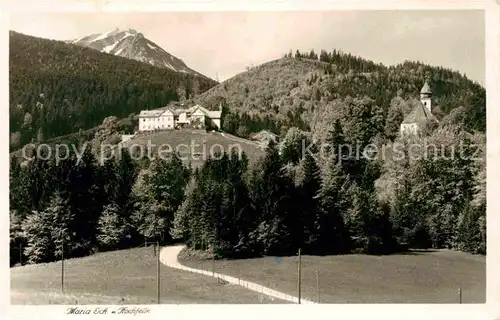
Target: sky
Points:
(222, 44)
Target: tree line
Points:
(87, 206)
(334, 204)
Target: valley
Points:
(158, 167)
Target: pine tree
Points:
(214, 210)
(113, 229)
(272, 198)
(470, 231)
(294, 144)
(63, 228)
(108, 173)
(36, 184)
(408, 217)
(166, 185)
(183, 226)
(333, 237)
(337, 142)
(16, 195)
(86, 198)
(124, 177)
(235, 210)
(39, 243)
(310, 203)
(149, 218)
(394, 118)
(17, 238)
(368, 225)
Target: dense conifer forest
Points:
(336, 202)
(282, 203)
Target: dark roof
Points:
(420, 114)
(426, 88)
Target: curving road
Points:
(168, 256)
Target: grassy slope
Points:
(174, 138)
(107, 278)
(200, 138)
(430, 277)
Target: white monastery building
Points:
(164, 119)
(422, 113)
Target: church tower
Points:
(426, 96)
(421, 113)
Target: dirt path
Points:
(168, 256)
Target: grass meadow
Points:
(205, 144)
(120, 277)
(414, 277)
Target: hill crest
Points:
(306, 91)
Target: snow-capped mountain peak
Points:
(130, 43)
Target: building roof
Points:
(153, 113)
(420, 114)
(426, 88)
(178, 111)
(264, 135)
(214, 114)
(150, 113)
(208, 113)
(159, 112)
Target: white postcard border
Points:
(490, 310)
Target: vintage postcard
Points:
(214, 159)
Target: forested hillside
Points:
(423, 191)
(273, 207)
(306, 91)
(58, 88)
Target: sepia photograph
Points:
(247, 157)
